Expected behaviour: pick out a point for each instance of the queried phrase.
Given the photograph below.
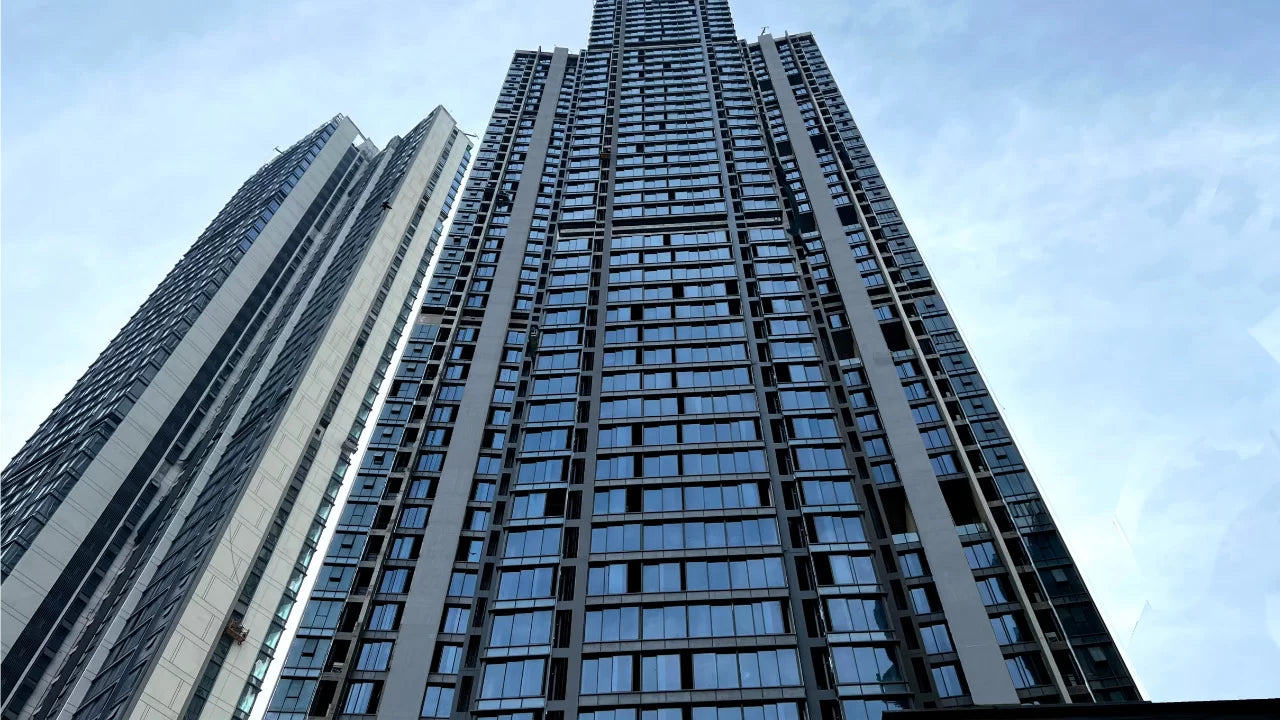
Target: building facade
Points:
(166, 511)
(1253, 709)
(684, 430)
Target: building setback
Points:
(159, 523)
(684, 430)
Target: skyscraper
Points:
(167, 509)
(684, 430)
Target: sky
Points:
(1094, 185)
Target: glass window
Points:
(731, 671)
(1009, 629)
(462, 584)
(455, 619)
(606, 675)
(385, 616)
(361, 698)
(1026, 670)
(948, 681)
(394, 581)
(993, 590)
(936, 638)
(981, 555)
(526, 583)
(912, 564)
(520, 679)
(448, 659)
(521, 629)
(438, 702)
(865, 665)
(924, 600)
(857, 615)
(660, 672)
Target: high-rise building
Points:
(158, 524)
(684, 430)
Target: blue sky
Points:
(1094, 185)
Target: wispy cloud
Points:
(1093, 184)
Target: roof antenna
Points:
(278, 150)
(764, 30)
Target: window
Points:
(550, 412)
(818, 458)
(731, 671)
(884, 473)
(470, 550)
(521, 629)
(944, 464)
(293, 695)
(307, 653)
(538, 441)
(462, 584)
(981, 555)
(374, 656)
(857, 615)
(394, 581)
(413, 517)
(912, 564)
(321, 615)
(676, 536)
(993, 591)
(1008, 629)
(869, 709)
(362, 698)
(828, 492)
(455, 619)
(385, 616)
(448, 659)
(520, 679)
(1026, 670)
(838, 529)
(431, 462)
(864, 665)
(660, 672)
(875, 447)
(438, 702)
(1014, 484)
(936, 438)
(523, 584)
(948, 681)
(926, 414)
(804, 427)
(545, 471)
(533, 543)
(924, 600)
(608, 579)
(606, 675)
(852, 570)
(868, 423)
(936, 638)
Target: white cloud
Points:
(1096, 194)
